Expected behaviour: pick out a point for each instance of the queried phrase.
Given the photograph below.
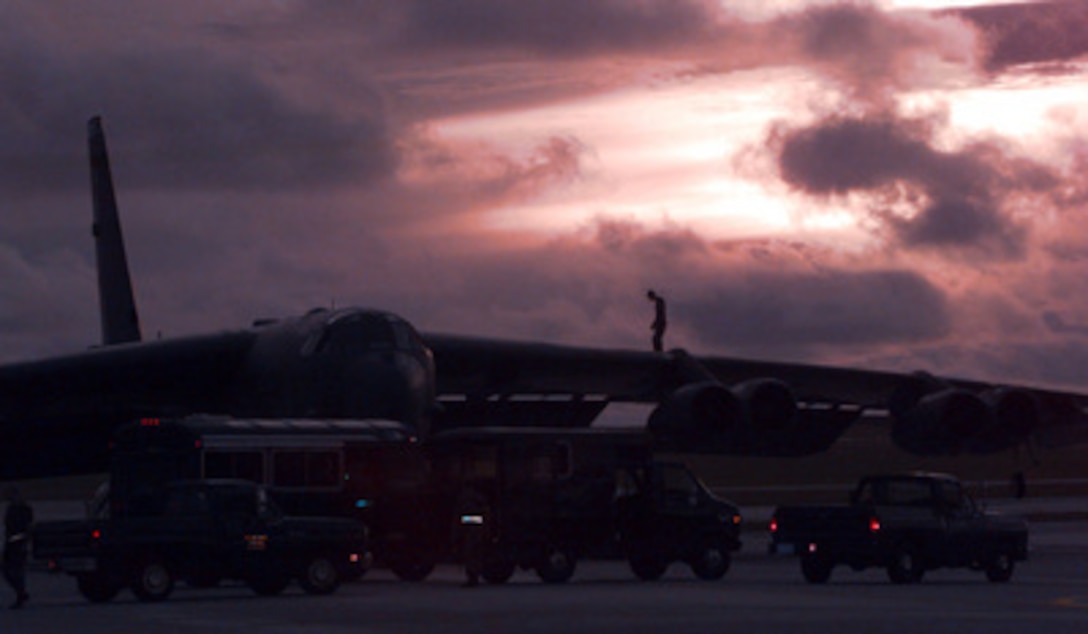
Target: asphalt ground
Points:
(761, 593)
(1049, 593)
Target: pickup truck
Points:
(202, 532)
(907, 524)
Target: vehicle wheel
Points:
(319, 576)
(905, 567)
(153, 580)
(648, 567)
(412, 570)
(557, 566)
(497, 570)
(97, 587)
(712, 562)
(816, 568)
(999, 568)
(268, 578)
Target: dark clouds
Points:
(181, 117)
(784, 311)
(1025, 33)
(1057, 324)
(868, 51)
(556, 27)
(927, 197)
(754, 298)
(288, 151)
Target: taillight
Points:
(774, 525)
(874, 524)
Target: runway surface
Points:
(761, 594)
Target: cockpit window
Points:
(357, 333)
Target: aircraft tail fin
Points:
(120, 322)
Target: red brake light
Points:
(874, 524)
(774, 525)
(149, 422)
(96, 534)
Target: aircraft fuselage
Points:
(57, 415)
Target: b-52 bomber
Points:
(57, 414)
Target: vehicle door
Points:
(964, 525)
(681, 502)
(187, 526)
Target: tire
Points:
(557, 566)
(268, 578)
(905, 566)
(98, 587)
(1000, 567)
(712, 562)
(647, 567)
(319, 576)
(152, 580)
(411, 570)
(816, 569)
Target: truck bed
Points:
(798, 526)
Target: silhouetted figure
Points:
(1019, 485)
(17, 522)
(472, 524)
(660, 322)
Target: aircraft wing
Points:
(57, 414)
(730, 405)
(185, 374)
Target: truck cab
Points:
(558, 496)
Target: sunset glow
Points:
(892, 184)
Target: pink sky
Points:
(847, 183)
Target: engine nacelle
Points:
(704, 414)
(930, 417)
(941, 422)
(1016, 414)
(755, 417)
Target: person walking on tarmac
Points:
(472, 525)
(17, 522)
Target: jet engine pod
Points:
(769, 404)
(1015, 415)
(707, 417)
(702, 416)
(939, 423)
